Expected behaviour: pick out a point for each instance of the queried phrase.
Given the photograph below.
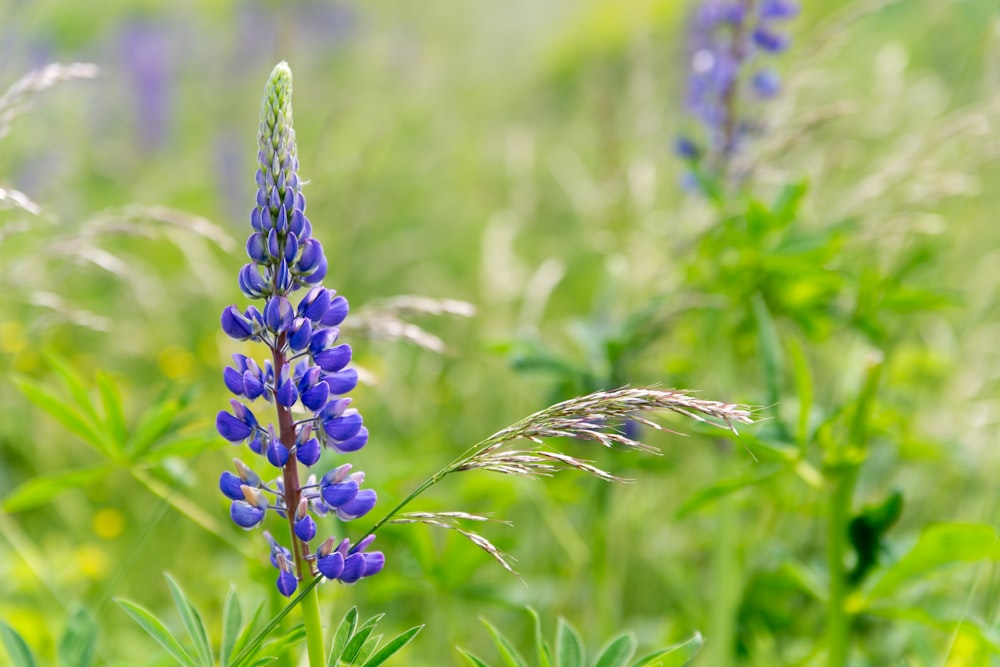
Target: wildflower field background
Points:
(516, 162)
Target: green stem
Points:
(727, 586)
(838, 621)
(314, 629)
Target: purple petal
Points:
(374, 562)
(341, 382)
(230, 485)
(352, 444)
(335, 495)
(360, 505)
(231, 428)
(287, 583)
(331, 566)
(344, 427)
(354, 568)
(337, 312)
(334, 359)
(245, 515)
(305, 528)
(308, 452)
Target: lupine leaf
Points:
(355, 643)
(192, 622)
(153, 424)
(245, 636)
(507, 651)
(367, 649)
(769, 346)
(473, 660)
(17, 650)
(544, 653)
(41, 489)
(232, 618)
(393, 647)
(569, 647)
(290, 638)
(78, 641)
(343, 634)
(677, 655)
(617, 652)
(114, 415)
(71, 417)
(155, 628)
(77, 390)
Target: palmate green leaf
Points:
(41, 489)
(676, 655)
(193, 623)
(367, 649)
(355, 643)
(158, 631)
(74, 385)
(79, 640)
(71, 417)
(114, 414)
(937, 546)
(544, 652)
(162, 418)
(17, 649)
(618, 651)
(507, 651)
(394, 646)
(232, 619)
(182, 447)
(570, 651)
(343, 634)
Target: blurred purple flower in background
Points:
(724, 39)
(147, 58)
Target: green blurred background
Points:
(518, 156)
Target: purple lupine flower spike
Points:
(724, 38)
(284, 259)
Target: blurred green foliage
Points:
(517, 156)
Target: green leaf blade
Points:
(393, 647)
(158, 631)
(570, 651)
(618, 651)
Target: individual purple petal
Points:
(278, 314)
(299, 334)
(257, 248)
(776, 10)
(322, 339)
(245, 515)
(277, 453)
(231, 486)
(312, 255)
(353, 443)
(374, 563)
(252, 385)
(273, 246)
(251, 282)
(315, 397)
(286, 394)
(341, 382)
(331, 566)
(770, 40)
(308, 452)
(358, 506)
(767, 83)
(354, 568)
(318, 273)
(315, 303)
(287, 583)
(295, 223)
(336, 313)
(334, 359)
(335, 495)
(305, 528)
(344, 427)
(235, 325)
(291, 247)
(233, 380)
(231, 428)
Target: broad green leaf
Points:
(343, 634)
(155, 628)
(395, 645)
(473, 660)
(937, 546)
(710, 494)
(79, 640)
(507, 651)
(617, 652)
(41, 489)
(232, 618)
(71, 417)
(17, 650)
(114, 415)
(544, 653)
(193, 623)
(569, 647)
(676, 655)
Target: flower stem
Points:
(838, 621)
(314, 628)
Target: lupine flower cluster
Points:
(306, 377)
(724, 39)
